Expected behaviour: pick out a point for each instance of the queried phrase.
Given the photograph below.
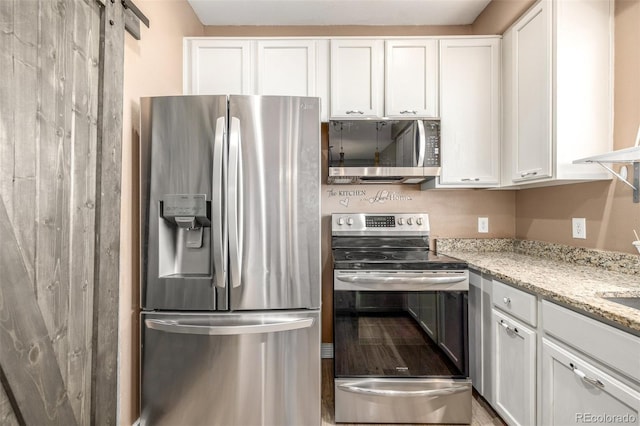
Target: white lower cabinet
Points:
(548, 365)
(575, 391)
(475, 330)
(514, 380)
(480, 333)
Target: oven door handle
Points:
(385, 279)
(401, 393)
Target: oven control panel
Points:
(379, 223)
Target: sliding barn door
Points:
(60, 100)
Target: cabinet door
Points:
(286, 68)
(508, 117)
(475, 330)
(217, 67)
(356, 78)
(487, 339)
(514, 370)
(470, 112)
(576, 392)
(411, 78)
(531, 93)
(293, 68)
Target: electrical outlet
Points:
(579, 226)
(483, 224)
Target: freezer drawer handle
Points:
(172, 326)
(381, 279)
(390, 392)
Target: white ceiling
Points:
(338, 12)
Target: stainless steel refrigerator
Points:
(230, 260)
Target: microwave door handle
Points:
(381, 279)
(234, 205)
(219, 226)
(421, 143)
(178, 327)
(355, 388)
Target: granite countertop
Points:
(572, 276)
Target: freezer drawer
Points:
(231, 369)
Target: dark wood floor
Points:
(482, 414)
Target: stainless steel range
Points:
(400, 323)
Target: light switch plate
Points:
(579, 227)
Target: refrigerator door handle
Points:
(234, 206)
(173, 326)
(219, 224)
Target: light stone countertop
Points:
(577, 280)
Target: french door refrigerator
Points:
(230, 294)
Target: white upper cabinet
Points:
(558, 92)
(411, 78)
(280, 67)
(470, 112)
(293, 68)
(532, 102)
(286, 67)
(217, 67)
(357, 84)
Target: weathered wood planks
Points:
(26, 352)
(106, 295)
(56, 162)
(7, 416)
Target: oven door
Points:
(401, 347)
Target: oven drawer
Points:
(402, 401)
(401, 281)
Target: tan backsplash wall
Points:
(545, 214)
(452, 213)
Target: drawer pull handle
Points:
(506, 300)
(509, 329)
(470, 179)
(406, 111)
(355, 111)
(590, 380)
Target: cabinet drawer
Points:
(607, 344)
(516, 302)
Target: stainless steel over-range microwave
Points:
(383, 151)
